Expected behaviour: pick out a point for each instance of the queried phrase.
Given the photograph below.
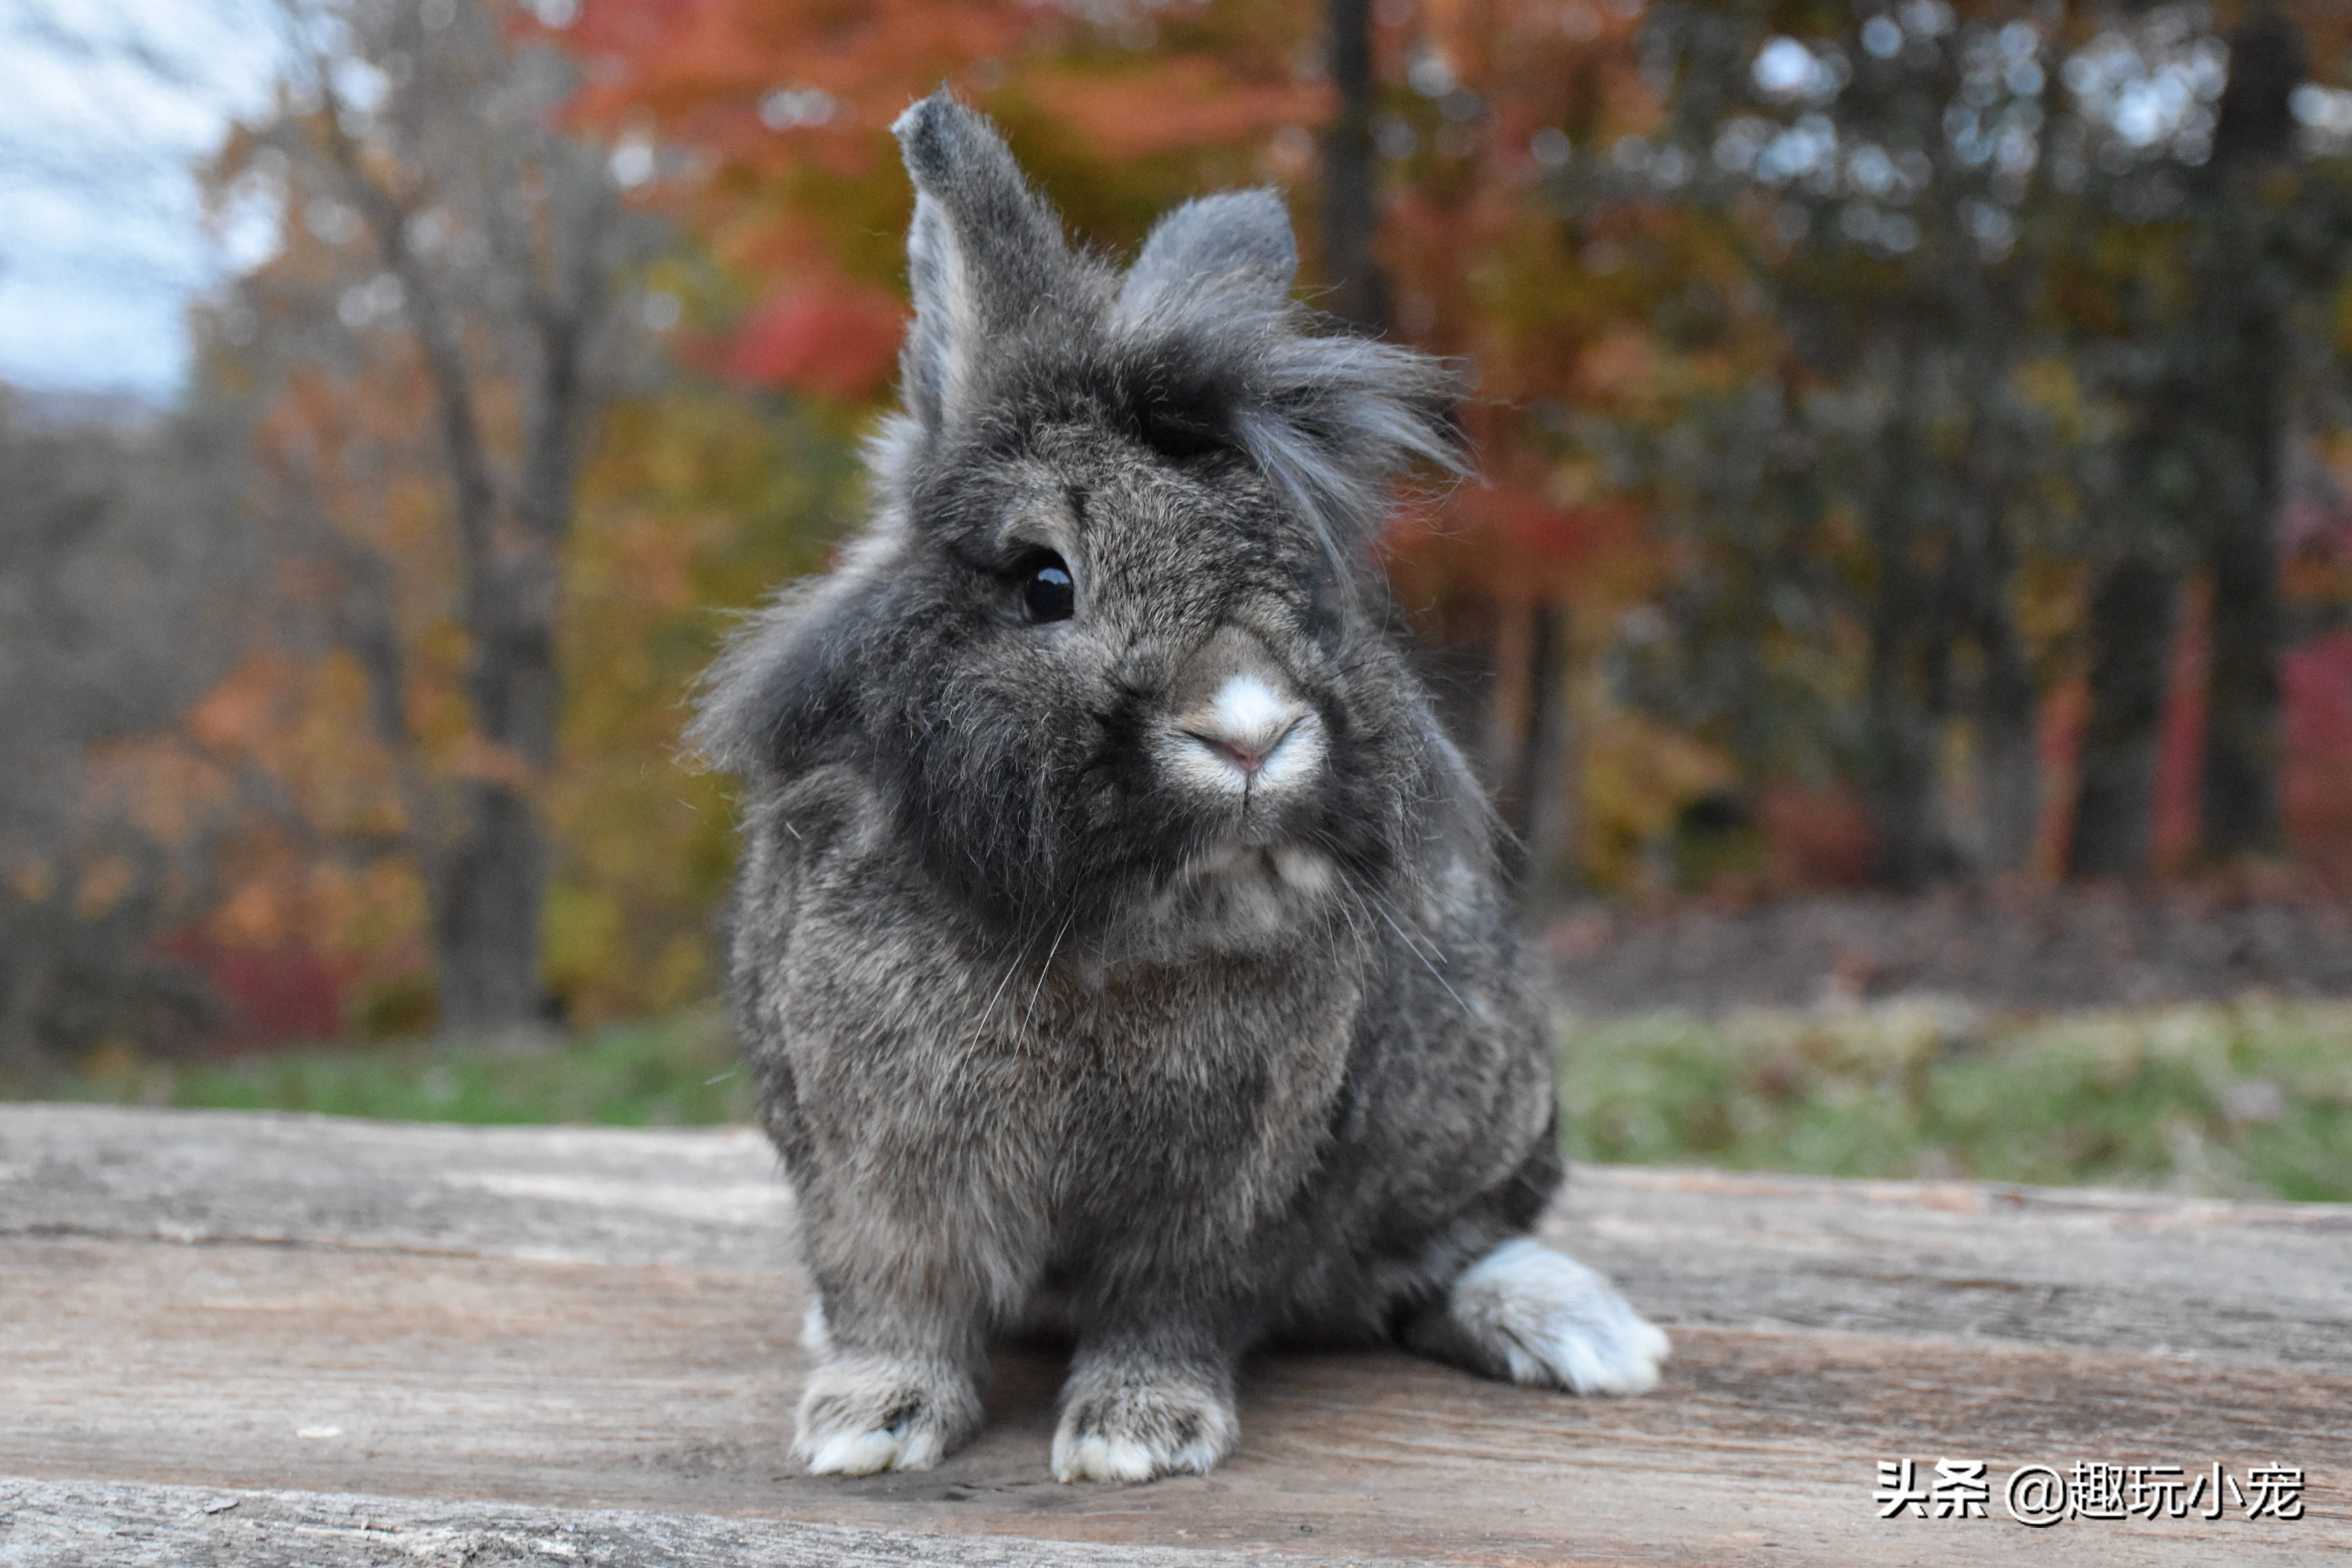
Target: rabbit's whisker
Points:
(1047, 968)
(1014, 967)
(1425, 963)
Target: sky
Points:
(105, 106)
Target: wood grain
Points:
(474, 1328)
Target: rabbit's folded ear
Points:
(1237, 246)
(985, 254)
(786, 688)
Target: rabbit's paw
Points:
(1137, 1423)
(864, 1414)
(1532, 1315)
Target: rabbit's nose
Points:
(1244, 723)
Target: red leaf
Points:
(840, 341)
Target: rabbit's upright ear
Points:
(985, 252)
(1237, 246)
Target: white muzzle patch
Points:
(1246, 737)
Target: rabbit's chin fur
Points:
(1118, 940)
(1235, 898)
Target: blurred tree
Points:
(697, 496)
(2200, 322)
(2273, 244)
(2034, 269)
(2128, 304)
(1882, 174)
(119, 549)
(450, 246)
(2253, 142)
(1119, 109)
(1514, 579)
(1350, 211)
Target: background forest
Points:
(1913, 454)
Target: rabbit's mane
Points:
(1202, 363)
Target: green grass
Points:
(2252, 1099)
(676, 1073)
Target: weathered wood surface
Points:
(83, 1522)
(463, 1335)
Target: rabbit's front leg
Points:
(896, 1385)
(1145, 1402)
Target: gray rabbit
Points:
(1118, 946)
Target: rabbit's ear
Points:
(1236, 245)
(786, 687)
(985, 254)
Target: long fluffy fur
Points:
(1056, 1011)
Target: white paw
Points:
(1138, 1428)
(1100, 1457)
(867, 1453)
(1533, 1315)
(863, 1415)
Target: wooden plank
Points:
(79, 1523)
(565, 1319)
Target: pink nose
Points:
(1249, 758)
(1244, 722)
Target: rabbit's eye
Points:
(1047, 593)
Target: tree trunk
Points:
(2238, 803)
(496, 875)
(1454, 647)
(488, 882)
(1900, 730)
(486, 925)
(1359, 294)
(2132, 614)
(1903, 775)
(2009, 763)
(2005, 702)
(1545, 808)
(2244, 384)
(26, 978)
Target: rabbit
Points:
(1119, 946)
